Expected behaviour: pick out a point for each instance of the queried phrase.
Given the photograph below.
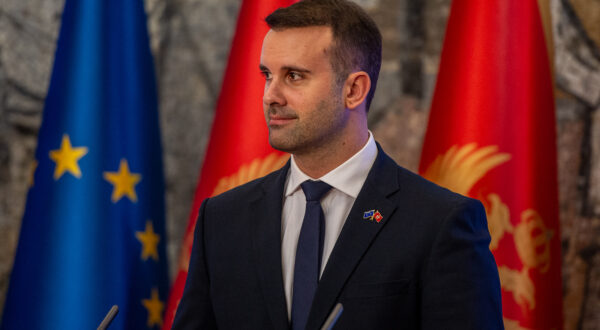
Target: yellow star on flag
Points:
(155, 308)
(149, 240)
(123, 181)
(66, 158)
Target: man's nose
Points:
(273, 94)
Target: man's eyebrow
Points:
(286, 68)
(295, 68)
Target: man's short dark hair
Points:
(356, 39)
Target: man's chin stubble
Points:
(284, 144)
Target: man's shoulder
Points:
(431, 205)
(417, 188)
(421, 186)
(252, 189)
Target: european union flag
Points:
(93, 230)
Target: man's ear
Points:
(356, 89)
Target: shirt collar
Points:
(348, 178)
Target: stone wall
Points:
(190, 41)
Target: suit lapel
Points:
(267, 208)
(356, 236)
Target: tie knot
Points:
(314, 190)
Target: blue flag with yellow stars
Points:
(93, 232)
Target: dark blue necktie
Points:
(308, 253)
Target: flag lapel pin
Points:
(373, 215)
(377, 216)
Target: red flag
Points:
(492, 136)
(238, 150)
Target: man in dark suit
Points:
(341, 222)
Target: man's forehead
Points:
(317, 31)
(303, 43)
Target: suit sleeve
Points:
(461, 287)
(195, 308)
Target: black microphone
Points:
(333, 317)
(109, 317)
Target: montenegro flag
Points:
(492, 136)
(238, 150)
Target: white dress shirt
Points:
(346, 181)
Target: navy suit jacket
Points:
(425, 265)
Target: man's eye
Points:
(294, 76)
(266, 74)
